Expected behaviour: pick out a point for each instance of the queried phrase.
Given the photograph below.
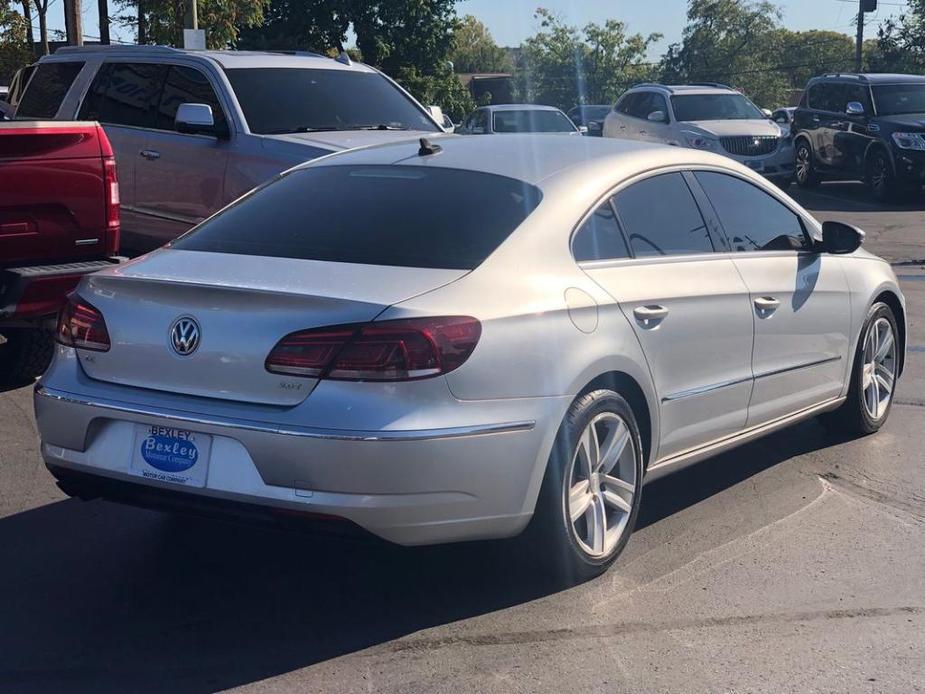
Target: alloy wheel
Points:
(602, 484)
(878, 173)
(804, 164)
(879, 368)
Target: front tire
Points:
(881, 180)
(591, 492)
(873, 376)
(806, 175)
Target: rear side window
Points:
(123, 94)
(186, 85)
(753, 220)
(660, 217)
(411, 216)
(47, 89)
(600, 238)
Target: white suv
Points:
(709, 117)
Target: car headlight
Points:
(909, 140)
(698, 141)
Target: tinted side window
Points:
(658, 103)
(47, 89)
(129, 94)
(642, 106)
(661, 217)
(627, 103)
(859, 94)
(600, 238)
(90, 108)
(754, 220)
(186, 85)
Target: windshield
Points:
(291, 100)
(411, 216)
(695, 107)
(897, 99)
(529, 121)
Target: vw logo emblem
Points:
(184, 336)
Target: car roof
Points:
(226, 59)
(520, 107)
(533, 158)
(869, 78)
(681, 89)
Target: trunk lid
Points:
(243, 305)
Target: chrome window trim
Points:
(266, 428)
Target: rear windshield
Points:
(529, 121)
(409, 216)
(694, 107)
(292, 100)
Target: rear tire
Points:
(25, 355)
(873, 377)
(591, 492)
(806, 175)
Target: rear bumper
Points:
(420, 486)
(28, 293)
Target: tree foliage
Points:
(901, 41)
(222, 20)
(563, 66)
(474, 50)
(15, 51)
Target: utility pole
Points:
(864, 7)
(73, 26)
(103, 7)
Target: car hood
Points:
(338, 140)
(732, 128)
(909, 121)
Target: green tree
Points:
(901, 41)
(15, 50)
(306, 25)
(222, 20)
(805, 54)
(563, 66)
(474, 50)
(735, 42)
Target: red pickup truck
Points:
(59, 219)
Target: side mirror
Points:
(839, 238)
(766, 112)
(196, 119)
(855, 108)
(436, 113)
(657, 117)
(583, 129)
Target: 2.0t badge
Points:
(184, 336)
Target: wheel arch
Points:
(892, 300)
(627, 386)
(878, 146)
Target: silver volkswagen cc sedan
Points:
(466, 340)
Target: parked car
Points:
(59, 219)
(497, 332)
(517, 118)
(709, 117)
(193, 130)
(590, 116)
(867, 127)
(783, 116)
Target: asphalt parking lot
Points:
(794, 564)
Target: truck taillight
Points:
(396, 350)
(81, 325)
(112, 205)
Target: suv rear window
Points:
(47, 89)
(411, 216)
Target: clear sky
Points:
(511, 21)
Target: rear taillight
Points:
(80, 325)
(112, 205)
(397, 350)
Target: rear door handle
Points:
(766, 304)
(643, 132)
(650, 316)
(150, 154)
(815, 119)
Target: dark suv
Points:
(869, 127)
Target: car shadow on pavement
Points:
(102, 597)
(852, 196)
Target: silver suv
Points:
(193, 131)
(709, 117)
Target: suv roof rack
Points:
(651, 84)
(717, 85)
(851, 75)
(116, 47)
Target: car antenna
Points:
(427, 147)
